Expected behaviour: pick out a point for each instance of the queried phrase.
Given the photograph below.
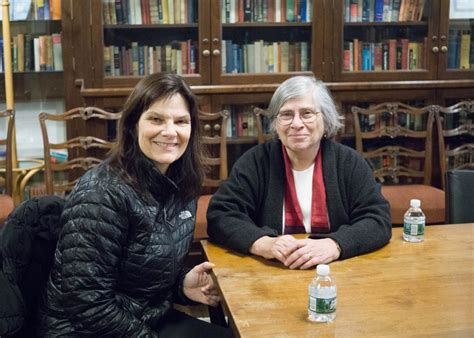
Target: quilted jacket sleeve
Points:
(95, 230)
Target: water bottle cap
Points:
(323, 269)
(415, 203)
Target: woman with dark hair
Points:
(128, 225)
(302, 182)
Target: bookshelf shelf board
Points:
(461, 21)
(386, 24)
(120, 78)
(230, 75)
(36, 23)
(267, 24)
(385, 71)
(154, 26)
(242, 140)
(39, 21)
(40, 73)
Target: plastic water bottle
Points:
(322, 296)
(414, 223)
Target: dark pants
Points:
(178, 324)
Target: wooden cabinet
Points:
(240, 42)
(219, 42)
(209, 42)
(220, 36)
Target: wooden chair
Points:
(78, 148)
(260, 114)
(396, 141)
(456, 137)
(214, 138)
(7, 119)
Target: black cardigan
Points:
(249, 204)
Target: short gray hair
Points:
(298, 86)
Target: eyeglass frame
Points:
(289, 122)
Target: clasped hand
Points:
(199, 286)
(296, 253)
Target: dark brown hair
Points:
(187, 172)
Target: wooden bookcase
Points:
(37, 65)
(434, 79)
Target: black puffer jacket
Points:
(119, 261)
(27, 244)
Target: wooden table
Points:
(404, 289)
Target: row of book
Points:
(35, 53)
(391, 54)
(180, 57)
(371, 122)
(238, 11)
(383, 10)
(146, 12)
(265, 57)
(454, 121)
(34, 10)
(242, 121)
(460, 49)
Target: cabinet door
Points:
(265, 41)
(135, 38)
(456, 40)
(380, 40)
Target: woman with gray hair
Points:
(302, 182)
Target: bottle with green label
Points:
(322, 296)
(414, 223)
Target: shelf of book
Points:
(235, 11)
(460, 45)
(145, 37)
(271, 40)
(385, 38)
(37, 62)
(36, 46)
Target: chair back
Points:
(396, 141)
(7, 122)
(459, 192)
(262, 124)
(455, 126)
(214, 138)
(77, 151)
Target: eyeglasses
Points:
(285, 118)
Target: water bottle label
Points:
(325, 305)
(414, 229)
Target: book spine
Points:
(57, 52)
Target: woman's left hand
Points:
(312, 252)
(199, 286)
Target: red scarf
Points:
(293, 215)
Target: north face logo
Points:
(184, 214)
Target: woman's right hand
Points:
(274, 247)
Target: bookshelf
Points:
(457, 40)
(224, 34)
(403, 40)
(37, 64)
(206, 41)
